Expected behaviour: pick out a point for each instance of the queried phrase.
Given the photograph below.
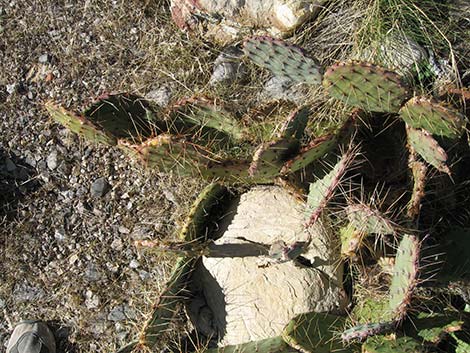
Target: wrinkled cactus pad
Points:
(283, 60)
(432, 116)
(366, 86)
(428, 148)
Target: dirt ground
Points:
(70, 210)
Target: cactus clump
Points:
(283, 60)
(432, 116)
(366, 86)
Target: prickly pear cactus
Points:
(316, 332)
(404, 279)
(418, 171)
(283, 60)
(432, 116)
(271, 345)
(428, 148)
(383, 344)
(367, 86)
(368, 220)
(80, 125)
(362, 331)
(323, 190)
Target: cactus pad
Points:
(197, 221)
(269, 158)
(418, 170)
(269, 345)
(204, 118)
(168, 153)
(368, 220)
(432, 116)
(308, 154)
(80, 125)
(405, 273)
(235, 171)
(123, 116)
(316, 332)
(362, 331)
(167, 303)
(295, 125)
(367, 86)
(428, 148)
(351, 240)
(283, 60)
(383, 344)
(323, 190)
(432, 327)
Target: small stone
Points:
(2, 303)
(161, 96)
(228, 67)
(134, 263)
(11, 88)
(72, 259)
(100, 187)
(123, 230)
(92, 273)
(44, 58)
(92, 301)
(52, 160)
(59, 235)
(117, 244)
(144, 275)
(117, 313)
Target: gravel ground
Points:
(69, 210)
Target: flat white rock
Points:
(251, 302)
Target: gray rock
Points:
(121, 312)
(134, 263)
(92, 273)
(11, 88)
(52, 160)
(92, 300)
(160, 96)
(44, 58)
(117, 244)
(283, 88)
(100, 187)
(228, 67)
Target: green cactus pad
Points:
(295, 125)
(167, 303)
(371, 310)
(461, 345)
(351, 240)
(80, 125)
(269, 345)
(283, 60)
(269, 158)
(432, 327)
(418, 170)
(316, 332)
(405, 273)
(428, 148)
(362, 331)
(197, 220)
(123, 116)
(233, 171)
(432, 116)
(308, 154)
(368, 220)
(323, 190)
(204, 118)
(168, 153)
(367, 86)
(383, 344)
